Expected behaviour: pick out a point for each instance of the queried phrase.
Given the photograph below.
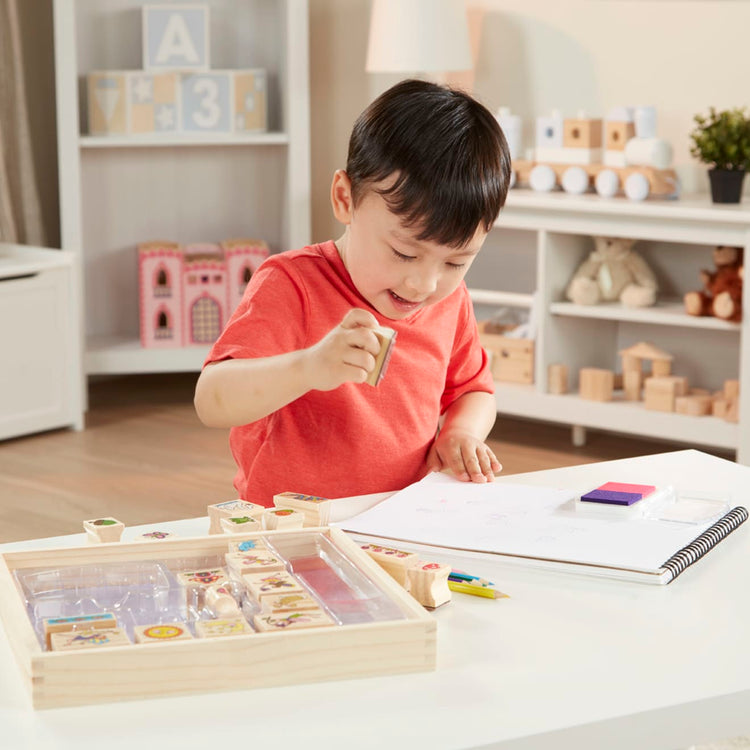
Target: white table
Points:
(567, 662)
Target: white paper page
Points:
(521, 520)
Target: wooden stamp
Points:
(261, 585)
(205, 577)
(101, 621)
(292, 620)
(220, 600)
(289, 602)
(240, 524)
(219, 628)
(154, 536)
(162, 632)
(80, 639)
(395, 562)
(247, 545)
(283, 518)
(429, 583)
(387, 338)
(253, 561)
(317, 510)
(103, 530)
(228, 509)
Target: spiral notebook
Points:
(534, 526)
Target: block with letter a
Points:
(175, 37)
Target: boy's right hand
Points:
(346, 354)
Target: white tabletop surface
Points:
(567, 661)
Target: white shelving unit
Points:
(118, 191)
(551, 234)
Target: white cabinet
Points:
(40, 374)
(546, 236)
(118, 191)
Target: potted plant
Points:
(722, 139)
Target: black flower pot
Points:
(726, 185)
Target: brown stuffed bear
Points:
(722, 288)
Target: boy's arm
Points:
(460, 446)
(236, 392)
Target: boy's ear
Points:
(341, 197)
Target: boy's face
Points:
(396, 273)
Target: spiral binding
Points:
(702, 544)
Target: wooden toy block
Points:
(204, 577)
(220, 600)
(719, 407)
(175, 37)
(661, 367)
(101, 621)
(582, 133)
(252, 561)
(731, 389)
(80, 639)
(132, 103)
(103, 530)
(393, 561)
(261, 585)
(632, 383)
(387, 338)
(549, 131)
(289, 603)
(222, 627)
(162, 632)
(596, 384)
(283, 518)
(250, 101)
(733, 411)
(240, 524)
(231, 508)
(660, 393)
(618, 382)
(317, 510)
(291, 621)
(557, 378)
(206, 102)
(154, 536)
(694, 406)
(429, 583)
(617, 134)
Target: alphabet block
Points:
(175, 37)
(206, 102)
(250, 100)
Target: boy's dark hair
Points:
(448, 154)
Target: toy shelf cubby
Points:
(547, 236)
(117, 191)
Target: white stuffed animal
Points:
(613, 271)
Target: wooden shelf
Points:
(490, 297)
(665, 313)
(615, 416)
(109, 355)
(177, 141)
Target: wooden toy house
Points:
(187, 293)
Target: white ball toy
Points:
(607, 183)
(637, 187)
(542, 178)
(575, 180)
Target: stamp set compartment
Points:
(373, 626)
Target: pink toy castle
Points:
(188, 292)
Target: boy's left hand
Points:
(468, 457)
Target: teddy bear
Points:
(613, 271)
(721, 295)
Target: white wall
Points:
(536, 55)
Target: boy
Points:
(427, 173)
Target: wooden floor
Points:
(145, 458)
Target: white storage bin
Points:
(41, 385)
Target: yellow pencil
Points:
(475, 590)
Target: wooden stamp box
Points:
(401, 638)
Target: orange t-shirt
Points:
(355, 439)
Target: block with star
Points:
(250, 101)
(132, 102)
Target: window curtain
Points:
(20, 208)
